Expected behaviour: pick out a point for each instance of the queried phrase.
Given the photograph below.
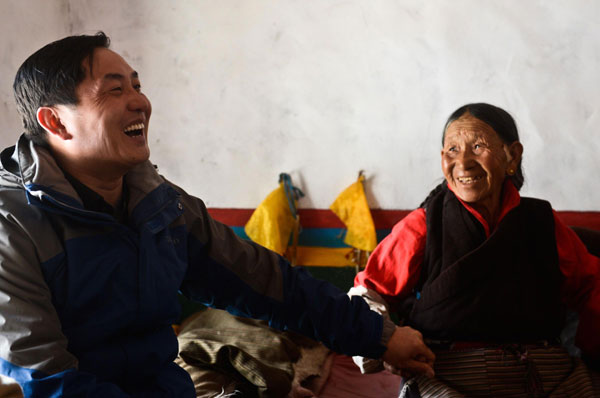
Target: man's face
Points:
(109, 125)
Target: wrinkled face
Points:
(109, 125)
(475, 162)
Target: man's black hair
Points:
(50, 76)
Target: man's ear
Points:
(49, 118)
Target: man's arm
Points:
(33, 349)
(406, 349)
(246, 279)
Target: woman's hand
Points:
(407, 353)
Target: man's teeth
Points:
(468, 180)
(134, 129)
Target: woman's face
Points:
(475, 162)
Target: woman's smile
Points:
(469, 180)
(475, 163)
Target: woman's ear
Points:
(514, 152)
(49, 118)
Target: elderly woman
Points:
(486, 275)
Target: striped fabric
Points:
(321, 239)
(496, 372)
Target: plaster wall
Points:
(245, 89)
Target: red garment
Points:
(394, 267)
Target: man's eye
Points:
(116, 89)
(137, 87)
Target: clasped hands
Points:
(407, 354)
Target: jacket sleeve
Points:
(581, 287)
(394, 266)
(379, 305)
(33, 349)
(246, 279)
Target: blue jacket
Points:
(87, 303)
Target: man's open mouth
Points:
(134, 130)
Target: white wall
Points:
(245, 89)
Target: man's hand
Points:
(407, 352)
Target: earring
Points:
(510, 172)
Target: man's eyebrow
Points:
(118, 76)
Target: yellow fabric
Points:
(272, 222)
(316, 256)
(352, 208)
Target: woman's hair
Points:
(499, 120)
